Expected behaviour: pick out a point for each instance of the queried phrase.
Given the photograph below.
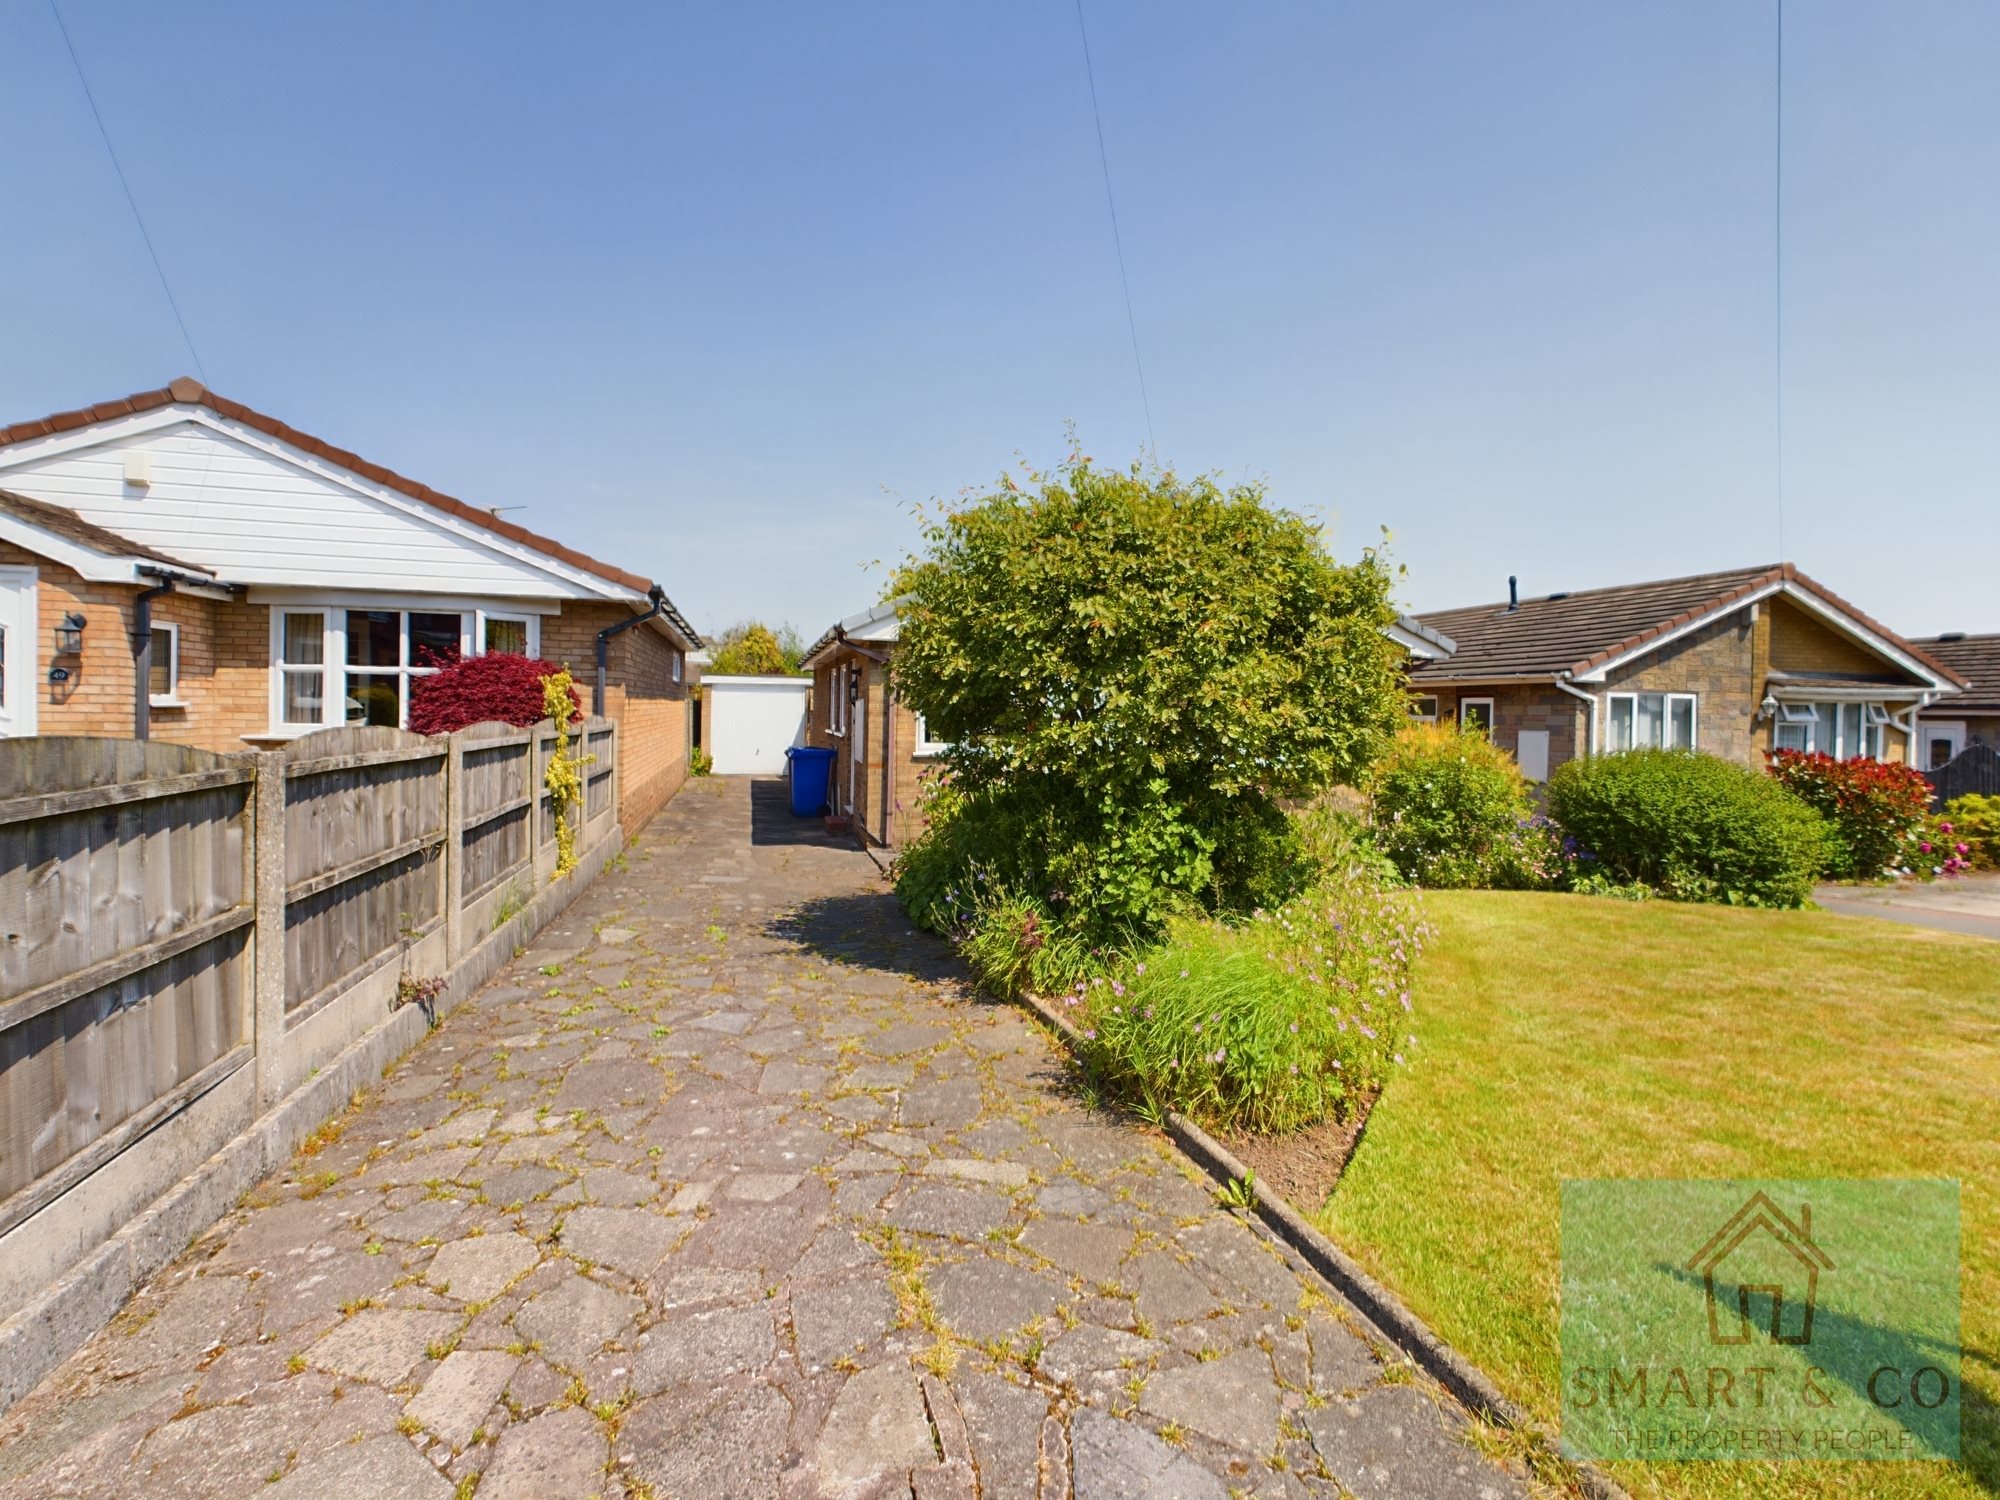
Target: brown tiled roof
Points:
(187, 391)
(1976, 659)
(1578, 632)
(67, 524)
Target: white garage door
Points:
(752, 721)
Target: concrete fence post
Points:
(268, 1009)
(454, 849)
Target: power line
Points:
(1117, 240)
(1778, 275)
(130, 202)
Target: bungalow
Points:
(1735, 663)
(177, 565)
(1970, 716)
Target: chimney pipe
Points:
(1513, 593)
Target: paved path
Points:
(726, 1188)
(1968, 904)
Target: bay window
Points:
(1650, 721)
(1842, 730)
(335, 665)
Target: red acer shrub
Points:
(1876, 808)
(497, 686)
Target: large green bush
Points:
(1691, 826)
(1134, 669)
(1449, 806)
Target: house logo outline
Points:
(1760, 1214)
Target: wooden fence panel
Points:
(599, 741)
(493, 790)
(364, 829)
(129, 883)
(124, 977)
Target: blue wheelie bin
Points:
(812, 773)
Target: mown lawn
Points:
(1563, 1036)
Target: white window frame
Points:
(836, 709)
(519, 617)
(926, 746)
(333, 650)
(679, 657)
(405, 671)
(1823, 728)
(334, 667)
(1416, 703)
(1465, 703)
(1667, 702)
(171, 698)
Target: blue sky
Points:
(721, 291)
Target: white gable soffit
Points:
(875, 625)
(1419, 639)
(87, 563)
(1839, 620)
(22, 460)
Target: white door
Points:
(17, 651)
(857, 749)
(1941, 741)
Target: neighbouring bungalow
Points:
(1970, 716)
(1733, 663)
(176, 565)
(883, 750)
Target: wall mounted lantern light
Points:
(69, 635)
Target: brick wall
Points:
(224, 661)
(1800, 643)
(1723, 663)
(640, 693)
(1523, 706)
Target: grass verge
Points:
(1566, 1036)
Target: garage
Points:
(752, 721)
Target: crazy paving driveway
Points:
(729, 1187)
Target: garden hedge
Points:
(1691, 826)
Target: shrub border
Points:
(1382, 1307)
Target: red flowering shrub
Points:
(1878, 810)
(474, 689)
